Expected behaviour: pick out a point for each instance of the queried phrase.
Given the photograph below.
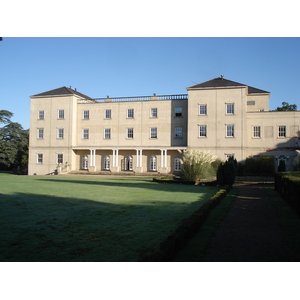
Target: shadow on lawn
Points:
(124, 182)
(48, 228)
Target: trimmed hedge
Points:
(287, 184)
(185, 231)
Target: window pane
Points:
(202, 130)
(86, 114)
(229, 130)
(40, 133)
(107, 114)
(107, 133)
(41, 115)
(106, 163)
(153, 163)
(85, 134)
(153, 133)
(256, 131)
(230, 108)
(40, 158)
(281, 131)
(177, 164)
(202, 109)
(61, 114)
(178, 111)
(153, 113)
(60, 133)
(59, 158)
(130, 113)
(178, 132)
(130, 133)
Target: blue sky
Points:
(114, 66)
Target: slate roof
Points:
(220, 82)
(62, 91)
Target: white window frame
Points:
(130, 113)
(202, 131)
(61, 114)
(39, 158)
(202, 109)
(229, 108)
(107, 133)
(86, 115)
(106, 162)
(178, 132)
(60, 133)
(178, 112)
(281, 131)
(153, 112)
(229, 130)
(256, 132)
(40, 133)
(153, 163)
(177, 163)
(129, 133)
(153, 133)
(107, 114)
(85, 134)
(41, 115)
(59, 158)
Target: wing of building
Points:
(71, 132)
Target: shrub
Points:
(226, 172)
(287, 184)
(259, 166)
(197, 165)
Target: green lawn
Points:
(53, 218)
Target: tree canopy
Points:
(286, 107)
(14, 142)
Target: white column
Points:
(161, 158)
(165, 162)
(114, 158)
(141, 158)
(94, 162)
(91, 157)
(117, 157)
(137, 158)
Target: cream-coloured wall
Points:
(261, 102)
(141, 123)
(50, 145)
(217, 119)
(269, 123)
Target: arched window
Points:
(106, 165)
(177, 163)
(153, 163)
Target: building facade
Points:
(71, 132)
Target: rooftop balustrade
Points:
(143, 98)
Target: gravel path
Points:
(250, 232)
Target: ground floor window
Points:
(84, 162)
(59, 158)
(39, 158)
(106, 162)
(128, 163)
(153, 163)
(177, 163)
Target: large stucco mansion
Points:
(71, 132)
